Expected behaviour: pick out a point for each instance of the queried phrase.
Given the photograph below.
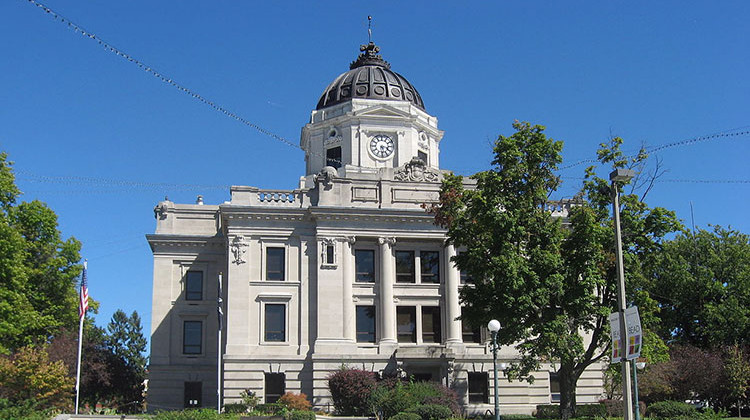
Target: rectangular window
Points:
(275, 322)
(431, 324)
(429, 266)
(333, 157)
(275, 263)
(422, 155)
(330, 254)
(405, 267)
(193, 394)
(194, 285)
(554, 387)
(364, 260)
(192, 337)
(406, 324)
(469, 334)
(478, 388)
(465, 276)
(274, 386)
(365, 324)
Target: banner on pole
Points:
(614, 323)
(635, 335)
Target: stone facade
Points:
(348, 269)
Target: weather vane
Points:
(369, 28)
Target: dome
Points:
(370, 77)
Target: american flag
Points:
(83, 303)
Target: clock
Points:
(381, 146)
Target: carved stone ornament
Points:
(326, 175)
(386, 241)
(417, 171)
(333, 141)
(324, 244)
(160, 211)
(239, 248)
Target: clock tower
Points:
(369, 118)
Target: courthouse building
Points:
(346, 269)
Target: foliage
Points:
(432, 411)
(294, 401)
(670, 409)
(406, 416)
(546, 283)
(235, 408)
(350, 390)
(393, 397)
(614, 408)
(517, 416)
(270, 408)
(547, 411)
(300, 415)
(737, 372)
(126, 344)
(29, 376)
(249, 398)
(37, 269)
(26, 410)
(702, 280)
(197, 414)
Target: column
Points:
(349, 272)
(453, 308)
(387, 309)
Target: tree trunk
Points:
(568, 379)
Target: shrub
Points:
(671, 409)
(547, 411)
(393, 397)
(235, 408)
(432, 411)
(591, 410)
(300, 415)
(406, 416)
(516, 416)
(387, 402)
(351, 390)
(200, 414)
(270, 408)
(614, 408)
(294, 401)
(249, 398)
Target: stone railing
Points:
(253, 196)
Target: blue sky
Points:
(102, 141)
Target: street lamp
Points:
(620, 175)
(636, 367)
(494, 327)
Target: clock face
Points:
(381, 146)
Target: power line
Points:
(685, 181)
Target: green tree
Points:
(38, 269)
(737, 372)
(126, 343)
(29, 377)
(702, 282)
(546, 279)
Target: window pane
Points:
(192, 332)
(275, 322)
(405, 267)
(431, 323)
(329, 254)
(365, 265)
(274, 263)
(478, 387)
(406, 322)
(193, 394)
(554, 387)
(333, 157)
(274, 386)
(469, 334)
(194, 285)
(365, 324)
(430, 265)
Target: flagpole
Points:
(82, 306)
(218, 347)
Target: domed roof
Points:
(370, 77)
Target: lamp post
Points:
(636, 367)
(494, 327)
(619, 175)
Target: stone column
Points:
(349, 272)
(453, 308)
(387, 309)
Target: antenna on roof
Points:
(369, 29)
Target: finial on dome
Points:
(369, 29)
(369, 57)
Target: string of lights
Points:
(650, 150)
(166, 79)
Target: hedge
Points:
(552, 411)
(671, 409)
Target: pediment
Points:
(382, 111)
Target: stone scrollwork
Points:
(386, 241)
(239, 248)
(416, 171)
(326, 175)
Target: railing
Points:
(252, 196)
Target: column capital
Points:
(387, 240)
(349, 240)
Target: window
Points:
(328, 253)
(405, 267)
(364, 260)
(554, 387)
(422, 155)
(333, 157)
(275, 322)
(465, 276)
(274, 386)
(365, 324)
(192, 337)
(275, 263)
(431, 324)
(430, 266)
(469, 334)
(194, 285)
(193, 394)
(478, 388)
(406, 324)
